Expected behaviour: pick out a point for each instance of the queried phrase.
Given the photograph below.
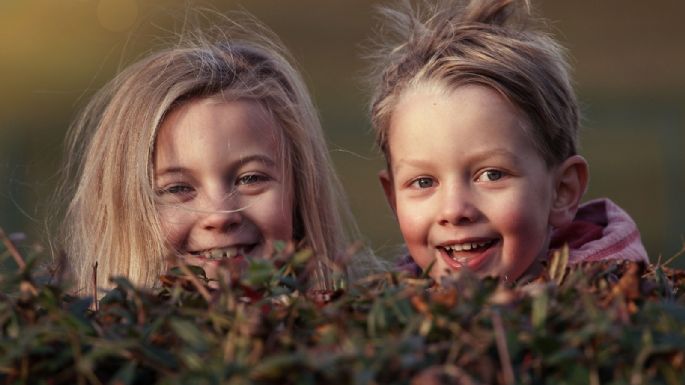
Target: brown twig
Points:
(13, 250)
(502, 350)
(193, 279)
(678, 254)
(26, 285)
(95, 286)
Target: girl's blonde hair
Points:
(111, 218)
(486, 42)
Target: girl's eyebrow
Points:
(172, 170)
(257, 158)
(261, 158)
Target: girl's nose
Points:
(221, 216)
(457, 207)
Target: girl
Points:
(208, 149)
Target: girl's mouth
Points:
(469, 254)
(227, 252)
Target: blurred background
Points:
(628, 59)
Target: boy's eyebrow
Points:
(417, 163)
(483, 155)
(475, 158)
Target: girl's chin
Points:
(216, 268)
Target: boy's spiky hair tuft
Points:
(494, 43)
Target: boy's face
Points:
(466, 184)
(219, 179)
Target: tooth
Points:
(460, 261)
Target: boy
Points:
(478, 122)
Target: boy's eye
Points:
(251, 179)
(490, 176)
(423, 182)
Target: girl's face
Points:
(220, 183)
(466, 183)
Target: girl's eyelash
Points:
(175, 189)
(252, 178)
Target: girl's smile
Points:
(218, 253)
(222, 189)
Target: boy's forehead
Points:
(470, 105)
(472, 119)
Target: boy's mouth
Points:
(463, 254)
(226, 252)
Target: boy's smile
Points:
(467, 185)
(471, 254)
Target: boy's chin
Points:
(440, 272)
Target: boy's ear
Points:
(386, 181)
(570, 185)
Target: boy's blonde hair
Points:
(485, 42)
(111, 217)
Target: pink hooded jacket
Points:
(600, 231)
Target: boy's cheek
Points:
(413, 227)
(409, 217)
(526, 242)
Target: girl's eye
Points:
(252, 179)
(176, 189)
(175, 193)
(490, 176)
(423, 182)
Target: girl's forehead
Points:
(220, 111)
(212, 127)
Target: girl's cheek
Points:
(175, 227)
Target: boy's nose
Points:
(457, 207)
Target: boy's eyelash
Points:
(416, 182)
(492, 173)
